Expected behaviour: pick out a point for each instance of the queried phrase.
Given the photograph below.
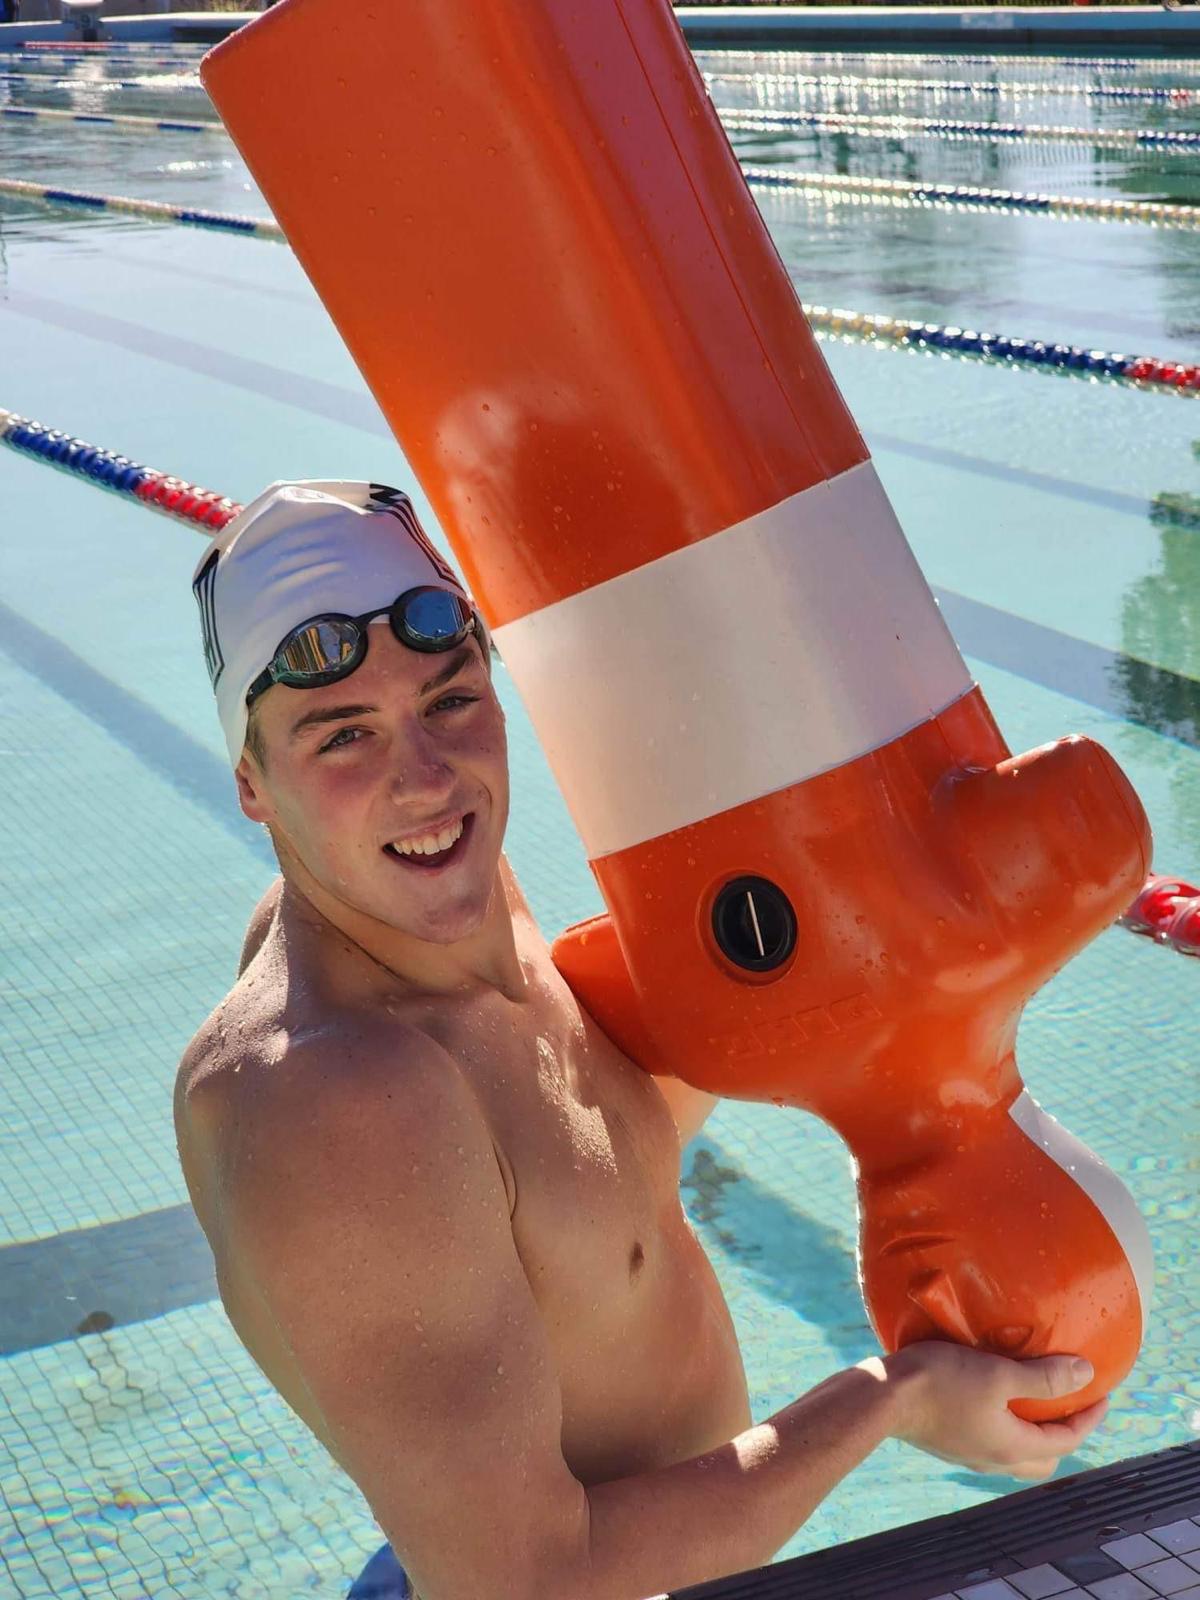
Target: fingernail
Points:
(1082, 1371)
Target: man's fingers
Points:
(1045, 1439)
(1072, 1429)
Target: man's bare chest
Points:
(589, 1149)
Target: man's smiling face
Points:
(389, 787)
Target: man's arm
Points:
(366, 1202)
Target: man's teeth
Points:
(430, 844)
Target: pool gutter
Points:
(1121, 30)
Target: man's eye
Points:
(454, 701)
(342, 738)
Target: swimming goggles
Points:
(330, 647)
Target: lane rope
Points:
(39, 57)
(152, 210)
(785, 60)
(114, 119)
(94, 47)
(1146, 372)
(151, 84)
(773, 84)
(890, 191)
(202, 509)
(900, 127)
(750, 121)
(184, 80)
(858, 190)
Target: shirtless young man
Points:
(444, 1206)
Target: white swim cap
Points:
(300, 550)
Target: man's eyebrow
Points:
(313, 719)
(453, 667)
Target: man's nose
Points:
(420, 766)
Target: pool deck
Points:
(1121, 30)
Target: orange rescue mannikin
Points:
(828, 883)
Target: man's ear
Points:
(249, 778)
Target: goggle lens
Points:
(430, 619)
(320, 647)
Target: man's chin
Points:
(442, 919)
(446, 925)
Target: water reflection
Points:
(1160, 620)
(1118, 286)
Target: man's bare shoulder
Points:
(295, 1139)
(278, 1065)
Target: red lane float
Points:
(829, 883)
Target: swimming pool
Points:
(146, 1455)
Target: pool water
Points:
(141, 1451)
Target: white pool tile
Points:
(1040, 1583)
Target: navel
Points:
(637, 1259)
